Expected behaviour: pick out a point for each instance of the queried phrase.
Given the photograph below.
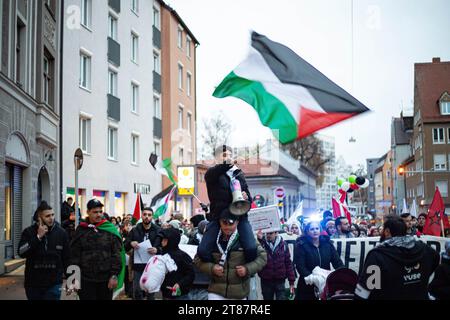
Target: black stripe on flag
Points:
(292, 69)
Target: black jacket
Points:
(184, 275)
(404, 272)
(66, 209)
(307, 257)
(47, 259)
(138, 234)
(97, 253)
(440, 286)
(219, 190)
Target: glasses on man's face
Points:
(227, 222)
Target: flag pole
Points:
(442, 223)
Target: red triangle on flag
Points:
(137, 210)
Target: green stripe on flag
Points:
(271, 111)
(167, 164)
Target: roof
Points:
(401, 130)
(177, 16)
(431, 80)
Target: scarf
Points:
(231, 241)
(107, 226)
(275, 244)
(407, 242)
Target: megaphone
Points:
(239, 206)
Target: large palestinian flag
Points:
(287, 92)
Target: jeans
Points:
(95, 291)
(139, 294)
(246, 238)
(273, 288)
(198, 294)
(49, 293)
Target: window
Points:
(85, 135)
(112, 27)
(46, 80)
(448, 136)
(443, 187)
(388, 190)
(112, 143)
(188, 120)
(157, 107)
(156, 62)
(445, 107)
(388, 173)
(439, 161)
(180, 38)
(188, 84)
(20, 52)
(181, 156)
(420, 190)
(180, 118)
(134, 149)
(157, 147)
(85, 71)
(438, 135)
(134, 97)
(134, 47)
(86, 16)
(188, 46)
(180, 76)
(189, 157)
(156, 18)
(135, 6)
(112, 83)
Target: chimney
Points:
(436, 60)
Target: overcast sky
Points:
(388, 38)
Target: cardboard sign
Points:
(265, 219)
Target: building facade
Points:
(329, 187)
(29, 116)
(371, 167)
(177, 61)
(109, 105)
(430, 141)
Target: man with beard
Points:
(421, 223)
(399, 268)
(343, 229)
(144, 231)
(407, 218)
(45, 245)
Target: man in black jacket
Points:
(219, 193)
(399, 268)
(144, 231)
(45, 245)
(440, 286)
(97, 253)
(66, 209)
(177, 283)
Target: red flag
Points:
(340, 208)
(436, 219)
(137, 210)
(336, 208)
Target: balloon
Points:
(340, 181)
(365, 184)
(352, 178)
(345, 186)
(354, 186)
(360, 181)
(350, 190)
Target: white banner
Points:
(265, 219)
(353, 251)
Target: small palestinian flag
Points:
(288, 93)
(137, 210)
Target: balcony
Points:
(156, 37)
(156, 82)
(157, 128)
(114, 4)
(113, 107)
(113, 52)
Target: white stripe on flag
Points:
(255, 68)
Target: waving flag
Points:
(288, 93)
(137, 210)
(162, 204)
(436, 221)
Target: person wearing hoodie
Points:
(440, 286)
(144, 231)
(45, 246)
(176, 284)
(278, 268)
(399, 268)
(310, 251)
